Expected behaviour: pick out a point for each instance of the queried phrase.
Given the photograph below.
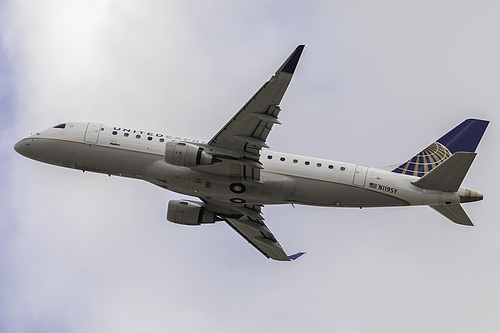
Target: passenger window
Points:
(330, 166)
(138, 136)
(295, 161)
(282, 159)
(307, 162)
(162, 139)
(126, 134)
(115, 132)
(318, 165)
(150, 138)
(269, 157)
(342, 169)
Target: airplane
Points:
(234, 174)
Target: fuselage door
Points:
(92, 133)
(360, 175)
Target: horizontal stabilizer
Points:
(455, 213)
(448, 175)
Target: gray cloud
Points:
(377, 83)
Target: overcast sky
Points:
(379, 81)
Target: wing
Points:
(249, 223)
(237, 149)
(246, 133)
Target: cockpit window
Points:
(60, 126)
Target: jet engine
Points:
(186, 154)
(189, 213)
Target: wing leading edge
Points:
(249, 223)
(247, 131)
(257, 234)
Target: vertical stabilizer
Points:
(463, 138)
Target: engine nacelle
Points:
(189, 213)
(186, 154)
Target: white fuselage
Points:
(284, 178)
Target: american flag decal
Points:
(373, 185)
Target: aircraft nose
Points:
(18, 147)
(22, 147)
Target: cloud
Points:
(376, 84)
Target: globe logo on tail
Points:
(424, 161)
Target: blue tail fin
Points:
(464, 138)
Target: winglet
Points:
(296, 256)
(291, 63)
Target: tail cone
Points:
(467, 195)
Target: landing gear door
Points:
(92, 133)
(360, 175)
